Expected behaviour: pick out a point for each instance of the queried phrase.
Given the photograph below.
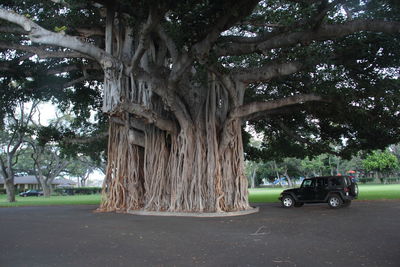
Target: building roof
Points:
(31, 179)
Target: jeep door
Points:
(307, 190)
(321, 189)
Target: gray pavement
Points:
(366, 234)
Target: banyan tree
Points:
(182, 78)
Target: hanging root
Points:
(123, 184)
(157, 183)
(185, 172)
(234, 180)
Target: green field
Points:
(54, 200)
(367, 192)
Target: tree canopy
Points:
(382, 161)
(334, 49)
(182, 77)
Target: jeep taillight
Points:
(346, 189)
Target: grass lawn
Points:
(54, 200)
(367, 192)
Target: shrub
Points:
(78, 191)
(365, 180)
(392, 180)
(17, 191)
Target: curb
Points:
(194, 214)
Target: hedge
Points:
(78, 191)
(366, 180)
(390, 180)
(17, 191)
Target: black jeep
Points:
(337, 191)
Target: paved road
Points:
(366, 234)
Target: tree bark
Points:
(290, 184)
(46, 189)
(10, 189)
(193, 169)
(178, 173)
(253, 179)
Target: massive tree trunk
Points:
(181, 172)
(197, 168)
(173, 144)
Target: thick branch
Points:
(236, 11)
(168, 95)
(169, 43)
(13, 29)
(268, 72)
(148, 27)
(85, 140)
(83, 32)
(254, 107)
(232, 39)
(75, 67)
(149, 116)
(42, 51)
(268, 113)
(89, 32)
(136, 138)
(324, 32)
(40, 35)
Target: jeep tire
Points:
(287, 201)
(334, 201)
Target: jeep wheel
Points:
(287, 201)
(334, 201)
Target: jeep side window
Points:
(322, 182)
(335, 181)
(307, 183)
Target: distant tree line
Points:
(376, 165)
(46, 151)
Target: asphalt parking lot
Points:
(365, 234)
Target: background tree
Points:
(395, 149)
(14, 129)
(259, 171)
(381, 162)
(81, 168)
(47, 165)
(181, 77)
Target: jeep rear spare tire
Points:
(354, 190)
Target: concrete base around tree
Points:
(365, 234)
(193, 214)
